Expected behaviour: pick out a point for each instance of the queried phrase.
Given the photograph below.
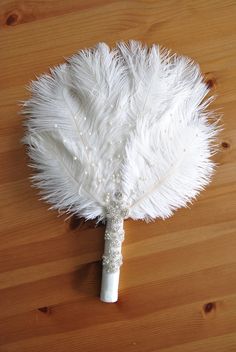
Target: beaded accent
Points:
(114, 235)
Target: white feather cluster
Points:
(132, 119)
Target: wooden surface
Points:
(178, 283)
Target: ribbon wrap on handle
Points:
(112, 257)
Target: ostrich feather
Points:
(132, 120)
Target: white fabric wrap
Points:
(112, 259)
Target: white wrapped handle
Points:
(112, 259)
(110, 286)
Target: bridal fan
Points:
(120, 133)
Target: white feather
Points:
(131, 119)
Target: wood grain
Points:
(178, 286)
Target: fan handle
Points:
(112, 259)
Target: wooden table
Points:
(178, 284)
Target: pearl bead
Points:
(85, 118)
(110, 123)
(86, 148)
(86, 172)
(75, 157)
(90, 133)
(55, 125)
(112, 106)
(81, 133)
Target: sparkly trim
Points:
(114, 236)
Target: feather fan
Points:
(120, 133)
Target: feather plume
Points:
(131, 119)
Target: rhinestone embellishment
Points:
(114, 236)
